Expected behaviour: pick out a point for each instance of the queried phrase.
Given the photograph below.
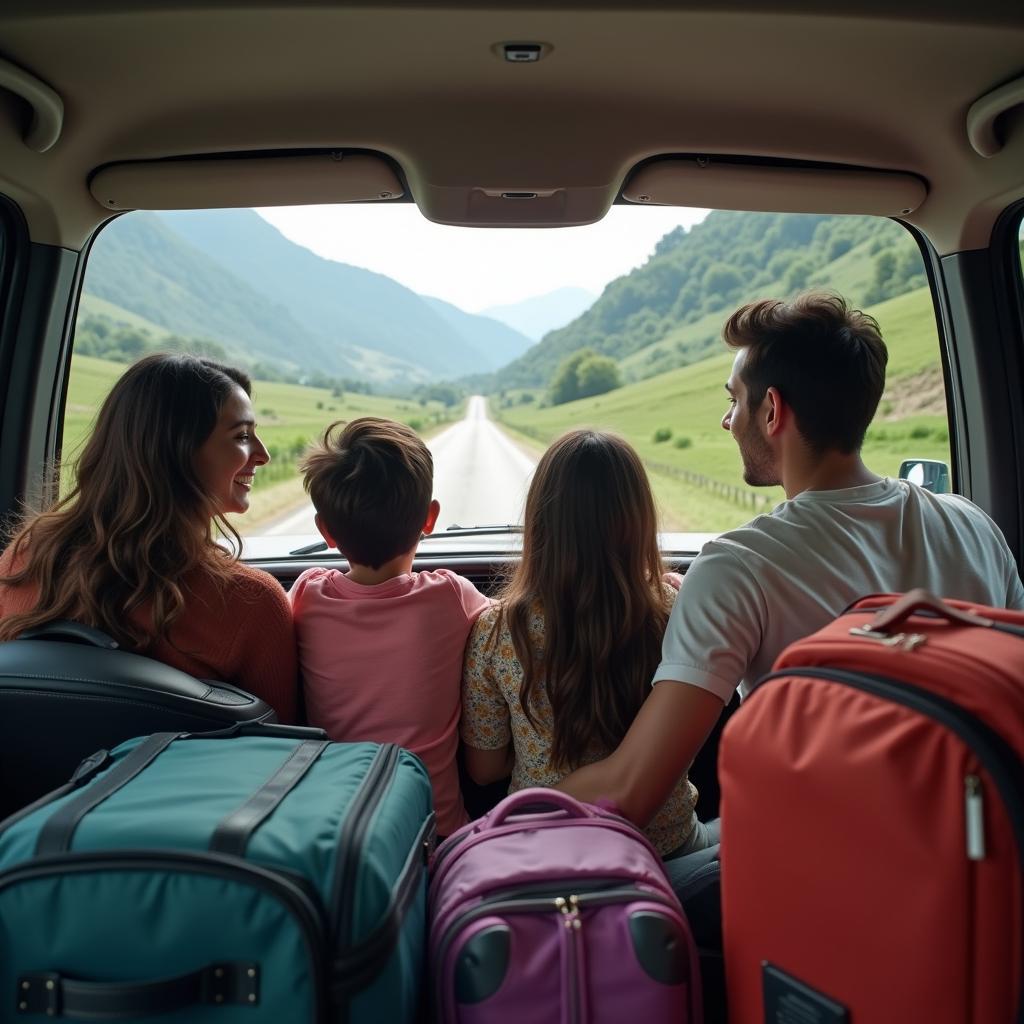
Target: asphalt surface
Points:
(480, 477)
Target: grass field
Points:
(685, 407)
(682, 407)
(288, 416)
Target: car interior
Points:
(499, 115)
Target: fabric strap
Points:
(233, 833)
(56, 834)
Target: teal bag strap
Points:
(56, 834)
(232, 835)
(59, 996)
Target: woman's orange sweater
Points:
(240, 633)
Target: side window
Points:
(910, 433)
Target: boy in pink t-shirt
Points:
(380, 647)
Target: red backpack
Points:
(873, 821)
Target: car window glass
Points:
(343, 312)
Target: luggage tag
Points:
(789, 1001)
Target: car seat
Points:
(67, 690)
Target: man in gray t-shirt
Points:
(805, 384)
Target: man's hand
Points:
(660, 746)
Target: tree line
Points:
(101, 336)
(718, 264)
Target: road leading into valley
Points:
(480, 477)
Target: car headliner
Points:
(881, 85)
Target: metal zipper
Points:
(357, 965)
(294, 899)
(974, 816)
(448, 848)
(997, 757)
(530, 904)
(350, 842)
(571, 927)
(903, 641)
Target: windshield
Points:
(491, 343)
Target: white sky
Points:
(475, 268)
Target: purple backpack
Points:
(552, 911)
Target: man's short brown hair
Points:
(826, 360)
(371, 484)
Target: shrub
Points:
(683, 442)
(416, 424)
(920, 432)
(597, 375)
(662, 434)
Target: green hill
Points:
(141, 265)
(229, 278)
(684, 408)
(288, 417)
(669, 312)
(93, 305)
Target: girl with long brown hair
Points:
(556, 671)
(131, 551)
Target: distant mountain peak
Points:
(539, 314)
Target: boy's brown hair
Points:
(371, 484)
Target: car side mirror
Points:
(930, 474)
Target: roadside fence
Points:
(740, 495)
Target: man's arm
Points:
(662, 742)
(713, 631)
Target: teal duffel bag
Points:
(260, 874)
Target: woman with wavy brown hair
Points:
(131, 551)
(556, 671)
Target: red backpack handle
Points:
(889, 619)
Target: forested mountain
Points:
(344, 304)
(231, 277)
(669, 311)
(139, 264)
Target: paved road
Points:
(480, 477)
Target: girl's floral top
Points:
(492, 717)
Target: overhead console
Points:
(515, 204)
(730, 183)
(714, 182)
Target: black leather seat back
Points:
(66, 691)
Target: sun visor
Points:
(705, 182)
(217, 184)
